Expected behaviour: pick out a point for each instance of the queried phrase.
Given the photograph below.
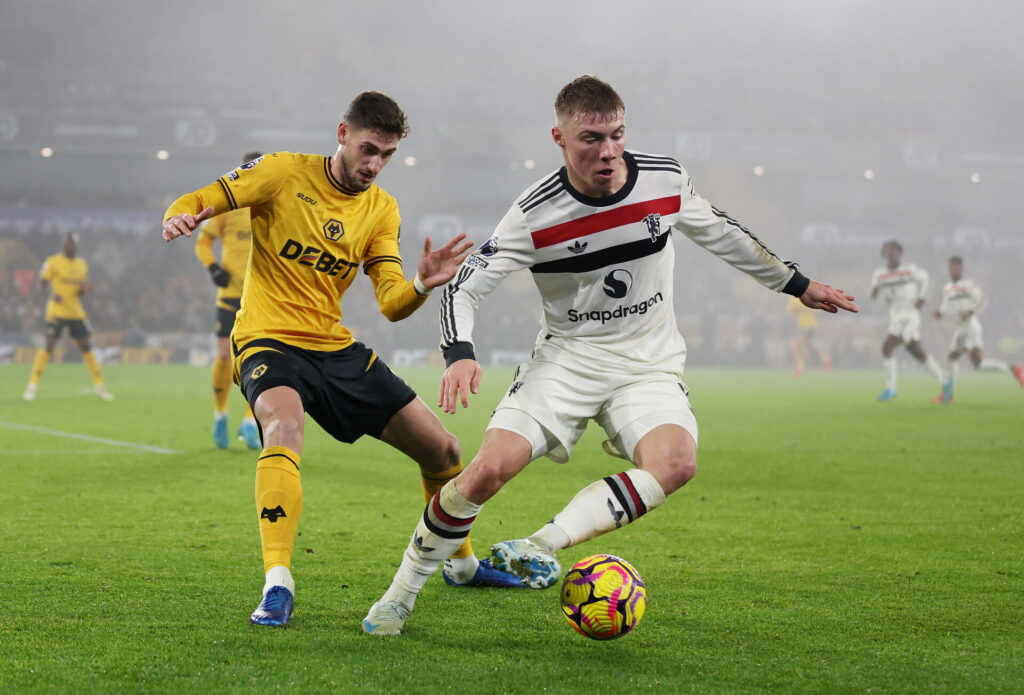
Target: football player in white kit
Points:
(595, 236)
(903, 287)
(962, 301)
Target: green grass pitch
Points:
(829, 544)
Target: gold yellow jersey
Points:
(66, 277)
(805, 316)
(309, 237)
(235, 233)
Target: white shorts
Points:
(967, 336)
(551, 403)
(905, 325)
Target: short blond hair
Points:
(588, 95)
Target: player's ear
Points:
(342, 132)
(556, 135)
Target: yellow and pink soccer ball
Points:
(603, 597)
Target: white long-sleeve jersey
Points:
(900, 287)
(961, 297)
(603, 266)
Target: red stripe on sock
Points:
(444, 517)
(641, 508)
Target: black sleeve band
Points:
(797, 284)
(457, 351)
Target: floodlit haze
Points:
(777, 109)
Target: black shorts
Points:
(226, 316)
(78, 328)
(349, 392)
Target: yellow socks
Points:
(39, 365)
(94, 367)
(432, 482)
(222, 384)
(278, 504)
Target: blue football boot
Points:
(486, 575)
(220, 431)
(887, 395)
(947, 391)
(250, 434)
(275, 608)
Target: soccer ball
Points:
(603, 597)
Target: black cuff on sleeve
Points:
(458, 351)
(797, 284)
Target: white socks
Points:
(601, 507)
(445, 523)
(461, 569)
(993, 365)
(934, 369)
(279, 575)
(889, 365)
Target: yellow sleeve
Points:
(204, 244)
(47, 271)
(396, 296)
(249, 185)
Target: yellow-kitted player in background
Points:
(234, 232)
(802, 346)
(315, 220)
(65, 274)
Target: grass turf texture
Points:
(829, 543)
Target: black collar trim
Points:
(617, 197)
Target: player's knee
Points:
(680, 466)
(444, 455)
(452, 452)
(284, 430)
(483, 479)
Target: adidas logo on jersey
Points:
(578, 247)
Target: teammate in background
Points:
(803, 344)
(903, 287)
(595, 236)
(235, 233)
(962, 301)
(315, 219)
(65, 274)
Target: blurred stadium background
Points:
(824, 127)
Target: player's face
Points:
(956, 271)
(592, 146)
(70, 246)
(362, 154)
(891, 254)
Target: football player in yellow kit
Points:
(234, 232)
(803, 344)
(65, 275)
(315, 220)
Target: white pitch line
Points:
(87, 438)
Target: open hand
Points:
(438, 267)
(827, 298)
(461, 378)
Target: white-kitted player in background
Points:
(903, 287)
(595, 237)
(962, 301)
